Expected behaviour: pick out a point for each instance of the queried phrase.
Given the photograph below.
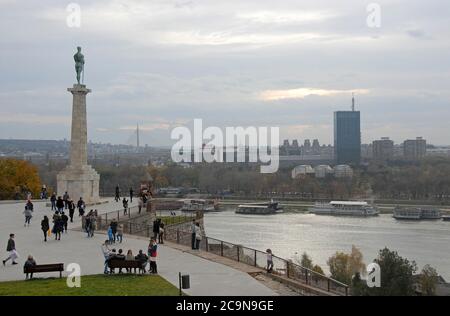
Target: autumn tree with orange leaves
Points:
(17, 178)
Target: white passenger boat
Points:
(344, 208)
(416, 213)
(193, 205)
(264, 208)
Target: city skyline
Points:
(291, 65)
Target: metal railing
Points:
(258, 259)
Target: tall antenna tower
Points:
(137, 135)
(353, 102)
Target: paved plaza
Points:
(207, 277)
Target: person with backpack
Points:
(60, 204)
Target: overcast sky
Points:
(286, 63)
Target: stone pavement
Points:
(207, 277)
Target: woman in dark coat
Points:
(58, 226)
(45, 226)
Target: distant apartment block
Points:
(383, 149)
(322, 171)
(414, 149)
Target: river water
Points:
(290, 233)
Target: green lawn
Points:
(169, 220)
(93, 285)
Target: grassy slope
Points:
(93, 285)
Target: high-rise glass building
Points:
(347, 137)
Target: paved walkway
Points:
(207, 277)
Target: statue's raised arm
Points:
(79, 63)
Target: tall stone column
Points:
(78, 141)
(79, 179)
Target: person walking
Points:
(65, 220)
(66, 199)
(193, 234)
(198, 236)
(120, 233)
(60, 204)
(57, 226)
(140, 204)
(45, 226)
(113, 226)
(131, 194)
(11, 248)
(81, 206)
(53, 201)
(117, 196)
(125, 206)
(269, 261)
(71, 207)
(28, 212)
(152, 254)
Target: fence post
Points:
(178, 236)
(346, 291)
(328, 285)
(221, 248)
(207, 244)
(306, 276)
(118, 215)
(106, 219)
(238, 253)
(255, 259)
(287, 269)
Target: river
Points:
(289, 234)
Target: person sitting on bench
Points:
(111, 255)
(129, 257)
(143, 259)
(29, 263)
(120, 256)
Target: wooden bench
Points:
(54, 267)
(127, 264)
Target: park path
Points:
(207, 277)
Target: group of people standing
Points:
(89, 222)
(117, 194)
(66, 203)
(115, 232)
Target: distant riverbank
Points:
(302, 207)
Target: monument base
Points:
(80, 182)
